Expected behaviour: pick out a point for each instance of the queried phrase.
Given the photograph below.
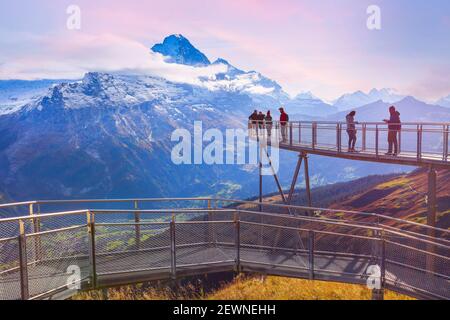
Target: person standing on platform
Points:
(284, 120)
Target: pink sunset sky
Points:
(319, 46)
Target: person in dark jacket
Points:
(268, 122)
(260, 119)
(351, 131)
(252, 121)
(284, 119)
(394, 127)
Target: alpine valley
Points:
(109, 134)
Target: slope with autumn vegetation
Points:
(404, 197)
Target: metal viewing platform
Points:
(125, 241)
(421, 144)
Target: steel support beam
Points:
(308, 187)
(295, 178)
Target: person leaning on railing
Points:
(394, 127)
(268, 122)
(351, 131)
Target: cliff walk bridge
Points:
(52, 249)
(419, 144)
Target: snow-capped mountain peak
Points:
(307, 95)
(179, 50)
(360, 98)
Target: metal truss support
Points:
(302, 158)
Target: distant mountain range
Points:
(108, 135)
(411, 110)
(359, 98)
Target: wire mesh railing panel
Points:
(131, 247)
(53, 257)
(9, 270)
(273, 245)
(346, 255)
(9, 229)
(43, 223)
(193, 246)
(417, 271)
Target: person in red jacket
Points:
(284, 119)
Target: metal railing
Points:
(419, 141)
(118, 246)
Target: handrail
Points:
(374, 236)
(231, 201)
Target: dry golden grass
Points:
(249, 288)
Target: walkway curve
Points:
(47, 255)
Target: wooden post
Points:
(92, 258)
(23, 262)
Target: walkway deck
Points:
(420, 144)
(115, 247)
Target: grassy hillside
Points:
(247, 288)
(403, 197)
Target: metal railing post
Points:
(237, 241)
(314, 134)
(419, 142)
(92, 260)
(290, 133)
(311, 237)
(299, 133)
(338, 137)
(36, 229)
(23, 262)
(211, 227)
(377, 132)
(445, 143)
(137, 227)
(364, 131)
(173, 263)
